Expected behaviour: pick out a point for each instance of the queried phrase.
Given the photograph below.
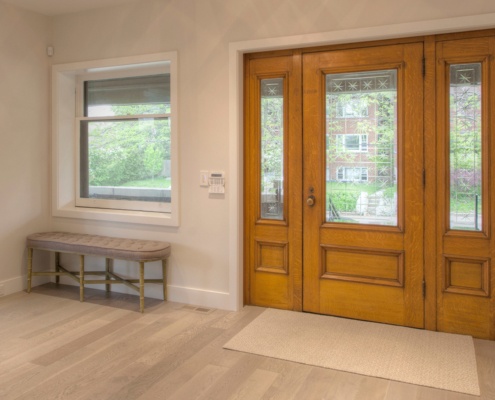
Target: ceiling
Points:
(58, 7)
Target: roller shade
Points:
(150, 89)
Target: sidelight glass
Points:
(272, 148)
(361, 147)
(465, 152)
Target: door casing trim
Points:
(236, 100)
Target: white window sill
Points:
(133, 217)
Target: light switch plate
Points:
(203, 178)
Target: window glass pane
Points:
(361, 147)
(465, 147)
(125, 159)
(272, 149)
(127, 96)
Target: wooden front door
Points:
(369, 181)
(363, 184)
(334, 188)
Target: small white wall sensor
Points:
(203, 178)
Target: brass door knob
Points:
(311, 200)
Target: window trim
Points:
(65, 110)
(362, 138)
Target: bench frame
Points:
(110, 276)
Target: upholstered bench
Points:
(140, 251)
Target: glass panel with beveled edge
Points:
(272, 149)
(465, 152)
(361, 147)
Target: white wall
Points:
(24, 137)
(201, 31)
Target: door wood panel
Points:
(273, 247)
(465, 293)
(363, 265)
(384, 274)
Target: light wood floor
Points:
(54, 347)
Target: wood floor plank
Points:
(485, 358)
(150, 375)
(400, 390)
(291, 377)
(425, 393)
(83, 370)
(83, 341)
(318, 384)
(371, 388)
(53, 336)
(233, 318)
(255, 386)
(48, 380)
(28, 353)
(54, 347)
(118, 374)
(194, 388)
(210, 352)
(235, 376)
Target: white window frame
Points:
(342, 171)
(111, 203)
(66, 114)
(363, 142)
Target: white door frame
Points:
(236, 52)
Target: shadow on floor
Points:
(96, 296)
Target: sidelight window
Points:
(465, 151)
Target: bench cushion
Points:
(109, 247)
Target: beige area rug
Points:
(434, 359)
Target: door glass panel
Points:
(272, 149)
(465, 147)
(361, 147)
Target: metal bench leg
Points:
(30, 268)
(57, 267)
(164, 271)
(108, 268)
(141, 286)
(81, 278)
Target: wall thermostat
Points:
(216, 182)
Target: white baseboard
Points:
(178, 294)
(19, 283)
(200, 297)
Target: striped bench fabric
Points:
(141, 251)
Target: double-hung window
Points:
(357, 143)
(352, 174)
(124, 140)
(121, 163)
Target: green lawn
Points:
(464, 205)
(149, 183)
(345, 195)
(369, 188)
